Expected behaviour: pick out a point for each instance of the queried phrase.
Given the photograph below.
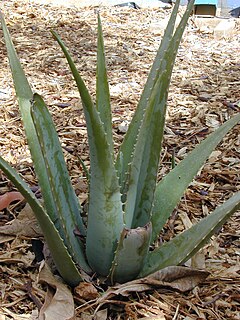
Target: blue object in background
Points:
(211, 2)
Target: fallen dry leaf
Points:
(24, 225)
(8, 198)
(59, 304)
(86, 291)
(176, 278)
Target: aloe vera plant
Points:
(127, 206)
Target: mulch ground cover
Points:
(204, 93)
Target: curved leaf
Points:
(102, 88)
(61, 257)
(65, 199)
(105, 216)
(144, 166)
(130, 254)
(145, 161)
(24, 95)
(185, 245)
(126, 150)
(171, 188)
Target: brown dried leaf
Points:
(86, 291)
(59, 304)
(24, 225)
(180, 278)
(8, 198)
(176, 278)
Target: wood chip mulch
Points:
(204, 93)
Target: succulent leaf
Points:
(102, 88)
(105, 216)
(186, 244)
(66, 201)
(144, 166)
(24, 95)
(171, 188)
(130, 254)
(130, 139)
(61, 257)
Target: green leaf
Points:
(144, 166)
(24, 95)
(130, 254)
(60, 255)
(105, 216)
(65, 199)
(102, 88)
(126, 150)
(171, 188)
(185, 245)
(85, 169)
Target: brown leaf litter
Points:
(204, 93)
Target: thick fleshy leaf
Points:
(24, 95)
(130, 254)
(185, 245)
(105, 216)
(144, 166)
(126, 150)
(61, 257)
(171, 188)
(66, 201)
(102, 88)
